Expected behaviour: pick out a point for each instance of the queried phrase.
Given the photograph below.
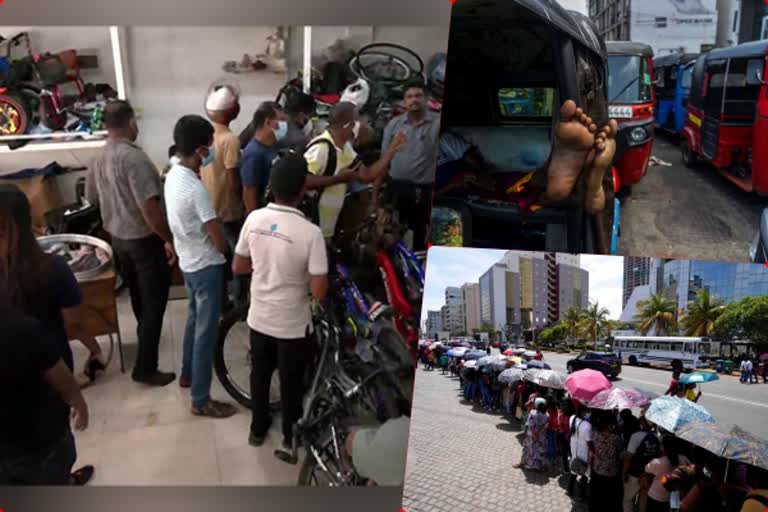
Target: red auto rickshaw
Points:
(727, 115)
(631, 97)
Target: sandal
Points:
(93, 367)
(214, 409)
(82, 476)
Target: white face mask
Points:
(356, 129)
(308, 126)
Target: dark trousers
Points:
(144, 268)
(288, 357)
(238, 284)
(51, 467)
(413, 204)
(656, 506)
(583, 483)
(605, 493)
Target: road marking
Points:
(707, 395)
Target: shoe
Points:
(82, 476)
(215, 409)
(185, 382)
(158, 379)
(93, 367)
(256, 441)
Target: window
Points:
(629, 79)
(735, 21)
(526, 101)
(764, 28)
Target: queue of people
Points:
(614, 460)
(231, 218)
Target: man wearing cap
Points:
(413, 169)
(331, 184)
(221, 171)
(286, 257)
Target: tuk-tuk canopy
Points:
(674, 59)
(573, 24)
(628, 48)
(742, 51)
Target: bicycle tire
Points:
(382, 46)
(309, 465)
(13, 104)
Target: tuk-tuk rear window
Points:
(528, 102)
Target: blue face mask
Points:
(282, 130)
(209, 159)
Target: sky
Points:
(575, 5)
(447, 266)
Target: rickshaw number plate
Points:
(620, 112)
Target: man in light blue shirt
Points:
(201, 248)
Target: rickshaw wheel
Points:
(690, 159)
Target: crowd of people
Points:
(751, 370)
(257, 210)
(613, 460)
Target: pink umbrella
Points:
(509, 352)
(617, 398)
(585, 384)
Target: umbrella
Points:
(764, 357)
(485, 361)
(465, 344)
(529, 353)
(514, 360)
(585, 384)
(509, 352)
(519, 351)
(511, 375)
(618, 398)
(671, 413)
(470, 364)
(499, 365)
(539, 364)
(729, 442)
(521, 366)
(698, 378)
(473, 354)
(456, 352)
(546, 378)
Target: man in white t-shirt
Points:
(201, 248)
(332, 184)
(286, 257)
(581, 437)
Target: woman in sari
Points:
(535, 444)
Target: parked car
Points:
(606, 362)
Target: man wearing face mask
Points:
(271, 127)
(300, 110)
(126, 185)
(413, 169)
(331, 172)
(201, 247)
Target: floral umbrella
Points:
(618, 398)
(698, 378)
(729, 442)
(546, 378)
(583, 385)
(487, 360)
(511, 375)
(671, 413)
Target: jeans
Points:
(565, 449)
(205, 289)
(753, 378)
(144, 267)
(239, 284)
(53, 467)
(289, 358)
(486, 394)
(414, 205)
(551, 445)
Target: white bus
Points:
(679, 352)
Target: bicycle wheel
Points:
(333, 472)
(14, 115)
(388, 63)
(232, 360)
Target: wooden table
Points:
(100, 307)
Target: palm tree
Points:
(572, 322)
(595, 321)
(658, 312)
(702, 314)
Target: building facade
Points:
(573, 292)
(454, 316)
(434, 324)
(637, 272)
(471, 297)
(499, 306)
(741, 21)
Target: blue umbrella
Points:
(456, 352)
(671, 413)
(698, 378)
(541, 365)
(474, 354)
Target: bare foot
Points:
(600, 162)
(574, 137)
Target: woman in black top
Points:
(37, 284)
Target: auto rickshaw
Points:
(514, 63)
(631, 98)
(674, 73)
(727, 122)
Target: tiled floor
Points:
(147, 436)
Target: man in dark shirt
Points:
(271, 127)
(300, 110)
(37, 389)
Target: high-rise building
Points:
(499, 304)
(471, 296)
(573, 289)
(434, 324)
(680, 280)
(454, 320)
(637, 272)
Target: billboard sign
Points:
(674, 26)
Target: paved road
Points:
(460, 459)
(685, 213)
